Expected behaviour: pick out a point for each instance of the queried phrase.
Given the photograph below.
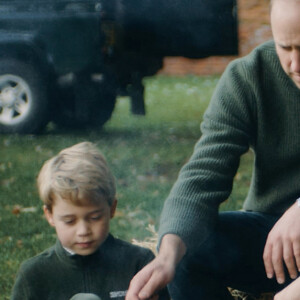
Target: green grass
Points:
(144, 153)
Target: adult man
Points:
(256, 104)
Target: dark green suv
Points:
(67, 60)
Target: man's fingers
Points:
(137, 283)
(273, 260)
(277, 262)
(268, 260)
(149, 281)
(159, 272)
(154, 284)
(282, 247)
(289, 260)
(296, 250)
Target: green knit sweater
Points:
(255, 105)
(57, 275)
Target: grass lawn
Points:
(144, 153)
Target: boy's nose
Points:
(83, 229)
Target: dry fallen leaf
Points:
(17, 209)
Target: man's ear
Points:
(48, 215)
(113, 208)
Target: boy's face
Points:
(81, 229)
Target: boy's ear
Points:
(48, 215)
(113, 208)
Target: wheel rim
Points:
(15, 99)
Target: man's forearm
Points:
(172, 249)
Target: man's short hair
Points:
(79, 174)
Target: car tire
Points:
(23, 98)
(86, 103)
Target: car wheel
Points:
(102, 103)
(86, 103)
(23, 98)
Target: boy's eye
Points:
(96, 218)
(69, 222)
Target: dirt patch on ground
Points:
(254, 28)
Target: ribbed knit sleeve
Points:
(206, 180)
(236, 119)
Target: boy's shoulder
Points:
(119, 254)
(125, 249)
(39, 260)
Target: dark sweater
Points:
(57, 275)
(255, 105)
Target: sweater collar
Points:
(67, 257)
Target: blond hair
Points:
(79, 174)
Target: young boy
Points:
(79, 196)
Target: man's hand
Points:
(291, 292)
(283, 246)
(158, 273)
